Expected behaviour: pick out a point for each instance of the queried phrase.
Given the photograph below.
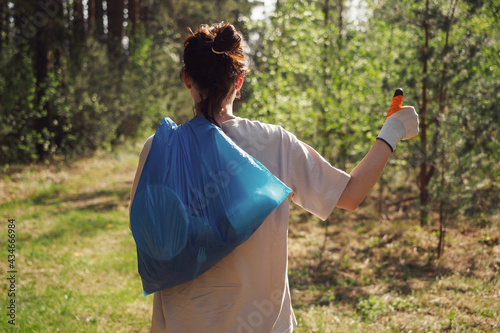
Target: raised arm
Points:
(401, 124)
(364, 176)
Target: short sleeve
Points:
(316, 184)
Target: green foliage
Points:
(370, 308)
(315, 79)
(330, 82)
(152, 88)
(17, 91)
(68, 90)
(321, 76)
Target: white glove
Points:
(401, 125)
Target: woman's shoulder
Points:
(255, 136)
(253, 126)
(147, 146)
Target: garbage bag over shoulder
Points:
(198, 198)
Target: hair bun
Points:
(214, 59)
(226, 38)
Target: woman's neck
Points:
(225, 113)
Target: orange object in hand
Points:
(401, 123)
(396, 103)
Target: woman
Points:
(248, 290)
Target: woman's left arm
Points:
(400, 125)
(364, 176)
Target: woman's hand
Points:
(401, 124)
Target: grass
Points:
(381, 276)
(75, 256)
(76, 261)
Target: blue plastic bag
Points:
(198, 198)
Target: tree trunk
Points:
(115, 27)
(40, 63)
(324, 115)
(424, 192)
(380, 199)
(115, 18)
(78, 22)
(4, 25)
(340, 12)
(443, 107)
(98, 19)
(47, 47)
(91, 17)
(77, 35)
(340, 45)
(133, 13)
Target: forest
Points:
(83, 77)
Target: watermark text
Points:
(11, 272)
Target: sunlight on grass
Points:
(376, 276)
(75, 255)
(77, 270)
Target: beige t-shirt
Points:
(248, 290)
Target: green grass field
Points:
(76, 261)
